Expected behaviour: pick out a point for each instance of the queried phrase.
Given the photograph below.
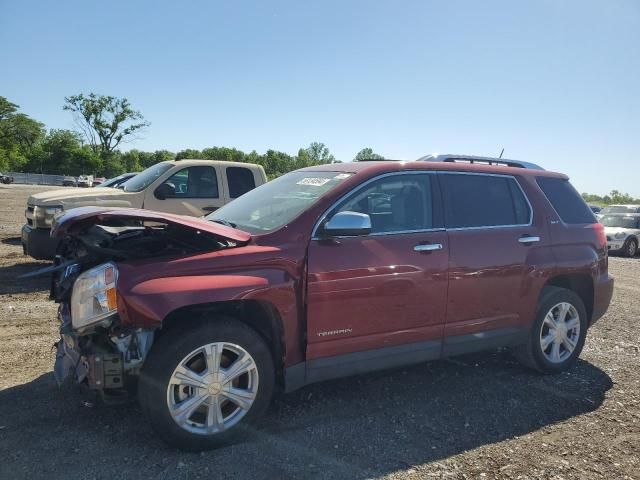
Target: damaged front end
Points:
(97, 345)
(94, 348)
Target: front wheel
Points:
(558, 333)
(630, 248)
(203, 385)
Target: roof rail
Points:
(482, 160)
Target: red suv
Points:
(322, 273)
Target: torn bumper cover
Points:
(103, 359)
(69, 358)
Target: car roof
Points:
(629, 205)
(224, 163)
(383, 166)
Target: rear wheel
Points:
(202, 387)
(630, 248)
(558, 333)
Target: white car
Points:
(623, 233)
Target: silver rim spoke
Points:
(546, 341)
(560, 332)
(240, 366)
(242, 398)
(186, 408)
(212, 388)
(215, 421)
(186, 376)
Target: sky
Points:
(553, 82)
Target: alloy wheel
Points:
(560, 332)
(212, 388)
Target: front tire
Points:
(558, 333)
(630, 248)
(204, 384)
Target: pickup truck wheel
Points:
(630, 248)
(200, 388)
(558, 333)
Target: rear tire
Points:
(203, 384)
(558, 333)
(630, 248)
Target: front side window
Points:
(398, 203)
(192, 182)
(240, 181)
(474, 201)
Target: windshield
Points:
(619, 221)
(146, 177)
(618, 209)
(276, 203)
(114, 182)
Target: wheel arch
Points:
(579, 283)
(262, 316)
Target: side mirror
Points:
(348, 224)
(164, 191)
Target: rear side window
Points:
(483, 201)
(566, 201)
(240, 181)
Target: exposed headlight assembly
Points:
(94, 298)
(43, 216)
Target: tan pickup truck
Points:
(185, 187)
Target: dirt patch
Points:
(477, 416)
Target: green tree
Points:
(188, 153)
(105, 121)
(319, 154)
(19, 136)
(367, 154)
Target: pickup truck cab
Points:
(184, 187)
(325, 272)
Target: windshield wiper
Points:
(225, 223)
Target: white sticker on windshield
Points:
(316, 182)
(342, 176)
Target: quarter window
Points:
(395, 204)
(193, 182)
(240, 181)
(483, 201)
(566, 200)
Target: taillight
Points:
(602, 237)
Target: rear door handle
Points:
(528, 239)
(427, 247)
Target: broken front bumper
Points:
(103, 359)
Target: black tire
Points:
(630, 248)
(176, 344)
(530, 354)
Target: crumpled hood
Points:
(78, 217)
(77, 197)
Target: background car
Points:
(85, 181)
(6, 179)
(69, 181)
(616, 209)
(595, 208)
(623, 233)
(98, 181)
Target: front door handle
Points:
(209, 209)
(528, 239)
(427, 247)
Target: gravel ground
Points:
(477, 416)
